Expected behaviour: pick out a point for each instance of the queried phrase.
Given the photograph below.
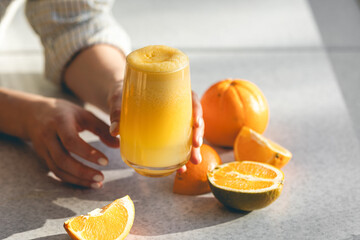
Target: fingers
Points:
(66, 176)
(115, 108)
(198, 128)
(182, 169)
(197, 110)
(68, 169)
(198, 134)
(197, 142)
(195, 156)
(73, 143)
(99, 128)
(115, 120)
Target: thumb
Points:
(115, 119)
(115, 108)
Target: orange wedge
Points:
(112, 222)
(246, 185)
(250, 145)
(194, 180)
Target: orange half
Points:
(246, 185)
(112, 222)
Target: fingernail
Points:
(103, 161)
(200, 141)
(182, 169)
(113, 126)
(95, 185)
(98, 178)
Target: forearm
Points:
(14, 107)
(94, 72)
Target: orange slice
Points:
(250, 145)
(112, 222)
(246, 185)
(194, 180)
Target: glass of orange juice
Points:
(156, 114)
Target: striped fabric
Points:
(67, 26)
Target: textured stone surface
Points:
(346, 67)
(314, 113)
(339, 27)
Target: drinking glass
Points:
(156, 114)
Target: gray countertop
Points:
(311, 86)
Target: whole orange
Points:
(194, 180)
(229, 105)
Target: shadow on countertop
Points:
(54, 237)
(23, 206)
(30, 197)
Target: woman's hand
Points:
(53, 126)
(114, 101)
(198, 132)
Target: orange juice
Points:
(156, 114)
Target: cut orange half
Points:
(250, 145)
(112, 222)
(194, 180)
(246, 185)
